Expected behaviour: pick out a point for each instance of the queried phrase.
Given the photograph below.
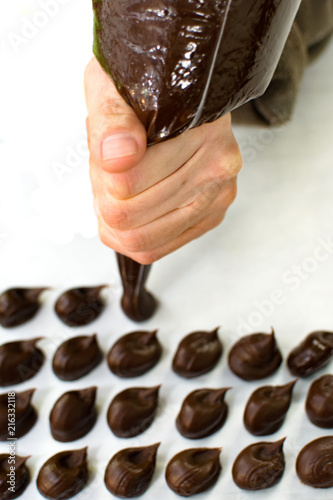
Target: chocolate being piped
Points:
(314, 463)
(197, 353)
(134, 354)
(132, 411)
(18, 305)
(63, 475)
(203, 412)
(19, 361)
(266, 408)
(137, 303)
(193, 471)
(319, 402)
(80, 306)
(130, 471)
(311, 354)
(255, 356)
(259, 466)
(76, 357)
(73, 415)
(12, 485)
(19, 409)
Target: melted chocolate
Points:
(76, 357)
(314, 464)
(266, 408)
(19, 361)
(193, 471)
(80, 306)
(13, 486)
(18, 305)
(319, 402)
(73, 415)
(132, 411)
(24, 415)
(63, 475)
(203, 412)
(134, 354)
(255, 356)
(312, 354)
(197, 353)
(130, 471)
(137, 303)
(259, 466)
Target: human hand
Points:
(151, 201)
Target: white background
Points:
(48, 236)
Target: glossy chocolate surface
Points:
(319, 402)
(314, 464)
(80, 306)
(197, 353)
(193, 471)
(255, 356)
(76, 357)
(134, 354)
(19, 361)
(130, 471)
(203, 412)
(137, 303)
(18, 305)
(266, 408)
(24, 414)
(259, 466)
(63, 475)
(314, 352)
(18, 481)
(132, 411)
(73, 415)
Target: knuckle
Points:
(132, 240)
(146, 258)
(114, 214)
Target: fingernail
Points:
(118, 146)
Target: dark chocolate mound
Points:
(319, 402)
(80, 306)
(18, 305)
(20, 410)
(311, 354)
(19, 480)
(314, 463)
(19, 361)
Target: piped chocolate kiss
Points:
(319, 402)
(76, 357)
(18, 305)
(63, 475)
(19, 409)
(255, 356)
(311, 354)
(19, 361)
(130, 471)
(197, 353)
(314, 464)
(13, 484)
(134, 354)
(80, 306)
(203, 412)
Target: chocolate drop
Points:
(80, 306)
(193, 471)
(137, 303)
(197, 353)
(314, 464)
(134, 354)
(266, 408)
(319, 402)
(63, 475)
(19, 361)
(76, 357)
(311, 354)
(203, 412)
(22, 476)
(259, 466)
(73, 415)
(24, 414)
(132, 411)
(255, 356)
(130, 471)
(18, 305)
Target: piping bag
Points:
(182, 63)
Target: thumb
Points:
(117, 138)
